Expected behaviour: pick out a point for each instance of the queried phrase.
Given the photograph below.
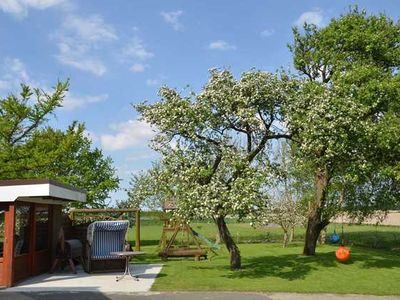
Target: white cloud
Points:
(127, 135)
(80, 38)
(156, 81)
(138, 68)
(19, 8)
(3, 84)
(77, 56)
(152, 82)
(221, 45)
(141, 156)
(267, 32)
(92, 28)
(135, 53)
(314, 16)
(172, 18)
(41, 4)
(17, 67)
(136, 49)
(13, 72)
(72, 102)
(13, 7)
(132, 172)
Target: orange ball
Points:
(342, 254)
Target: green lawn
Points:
(268, 267)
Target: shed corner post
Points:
(8, 255)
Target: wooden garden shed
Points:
(30, 218)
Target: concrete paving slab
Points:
(97, 282)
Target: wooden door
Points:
(23, 235)
(42, 239)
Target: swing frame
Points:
(168, 249)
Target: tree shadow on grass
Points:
(378, 260)
(294, 266)
(290, 266)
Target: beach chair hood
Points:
(106, 236)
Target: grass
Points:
(267, 267)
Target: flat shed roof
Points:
(25, 189)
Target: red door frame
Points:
(7, 278)
(22, 263)
(8, 248)
(9, 259)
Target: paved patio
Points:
(98, 282)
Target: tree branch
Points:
(30, 128)
(249, 140)
(217, 161)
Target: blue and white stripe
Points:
(106, 237)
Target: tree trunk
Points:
(285, 239)
(315, 219)
(229, 243)
(314, 227)
(291, 238)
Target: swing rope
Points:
(342, 237)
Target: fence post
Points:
(137, 231)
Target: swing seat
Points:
(334, 238)
(179, 252)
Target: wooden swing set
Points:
(192, 246)
(170, 246)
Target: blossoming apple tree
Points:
(215, 146)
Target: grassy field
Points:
(380, 237)
(374, 267)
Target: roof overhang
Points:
(39, 189)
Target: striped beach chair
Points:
(104, 237)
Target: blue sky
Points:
(119, 52)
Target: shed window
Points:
(3, 209)
(42, 227)
(22, 230)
